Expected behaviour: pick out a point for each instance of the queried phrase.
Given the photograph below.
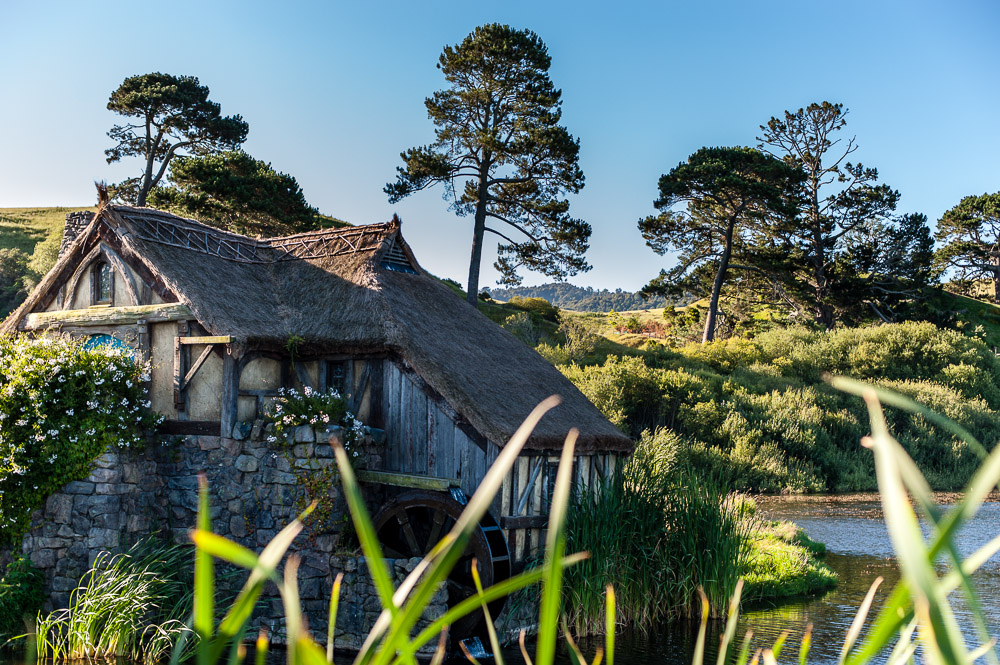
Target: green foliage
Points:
(760, 410)
(133, 605)
(236, 192)
(580, 339)
(13, 278)
(61, 406)
(583, 298)
(918, 613)
(20, 597)
(838, 202)
(523, 327)
(783, 562)
(174, 114)
(538, 307)
(730, 198)
(502, 155)
(969, 234)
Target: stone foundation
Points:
(255, 488)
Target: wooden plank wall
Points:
(527, 495)
(423, 438)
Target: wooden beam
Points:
(195, 366)
(105, 316)
(407, 480)
(208, 339)
(182, 330)
(196, 427)
(524, 521)
(231, 367)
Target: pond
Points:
(859, 550)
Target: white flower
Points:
(69, 412)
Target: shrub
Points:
(61, 406)
(539, 307)
(521, 326)
(760, 409)
(20, 596)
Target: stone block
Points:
(256, 434)
(303, 450)
(186, 482)
(78, 487)
(241, 431)
(63, 584)
(101, 475)
(232, 446)
(44, 559)
(111, 521)
(209, 442)
(59, 508)
(99, 538)
(103, 504)
(309, 589)
(107, 460)
(238, 526)
(246, 463)
(304, 434)
(107, 488)
(378, 436)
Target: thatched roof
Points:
(349, 289)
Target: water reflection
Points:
(860, 550)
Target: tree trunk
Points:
(823, 313)
(996, 286)
(720, 277)
(472, 292)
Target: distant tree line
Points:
(586, 298)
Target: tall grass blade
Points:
(555, 547)
(859, 621)
(204, 580)
(741, 659)
(699, 645)
(609, 624)
(332, 614)
(261, 647)
(805, 645)
(730, 633)
(293, 610)
(490, 628)
(779, 644)
(524, 649)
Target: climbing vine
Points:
(61, 406)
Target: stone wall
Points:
(255, 488)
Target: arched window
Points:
(102, 281)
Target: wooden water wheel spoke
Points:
(411, 538)
(414, 522)
(438, 522)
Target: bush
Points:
(20, 597)
(521, 326)
(760, 410)
(61, 406)
(539, 307)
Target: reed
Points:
(130, 605)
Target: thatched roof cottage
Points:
(226, 320)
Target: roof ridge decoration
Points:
(166, 229)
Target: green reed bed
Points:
(131, 605)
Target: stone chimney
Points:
(76, 222)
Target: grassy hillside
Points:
(23, 228)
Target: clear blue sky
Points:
(333, 91)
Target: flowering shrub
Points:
(315, 409)
(316, 481)
(61, 407)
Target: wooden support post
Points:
(179, 354)
(230, 389)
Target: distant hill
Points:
(583, 298)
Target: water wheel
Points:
(414, 521)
